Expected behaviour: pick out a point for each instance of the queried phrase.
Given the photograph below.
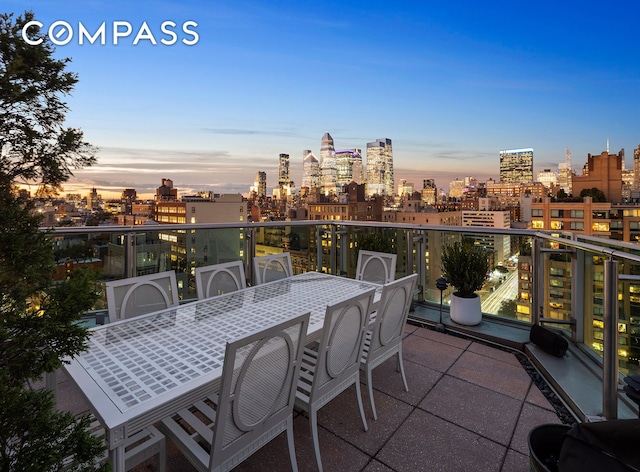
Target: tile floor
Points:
(469, 407)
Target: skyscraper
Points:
(328, 173)
(380, 168)
(260, 184)
(348, 166)
(516, 166)
(636, 168)
(284, 177)
(310, 170)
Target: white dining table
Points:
(138, 371)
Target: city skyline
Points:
(451, 86)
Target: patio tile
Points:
(494, 353)
(530, 417)
(342, 418)
(475, 408)
(69, 398)
(516, 462)
(537, 398)
(443, 338)
(432, 354)
(492, 374)
(375, 466)
(336, 454)
(408, 329)
(426, 442)
(420, 380)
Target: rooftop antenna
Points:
(567, 157)
(607, 144)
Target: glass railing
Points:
(558, 280)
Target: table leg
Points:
(117, 459)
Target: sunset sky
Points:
(451, 83)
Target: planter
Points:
(545, 443)
(465, 311)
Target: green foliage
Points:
(372, 240)
(47, 437)
(596, 194)
(525, 247)
(38, 316)
(561, 195)
(508, 309)
(465, 266)
(35, 144)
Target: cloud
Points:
(290, 133)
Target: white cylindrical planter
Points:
(465, 311)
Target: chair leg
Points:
(359, 395)
(313, 422)
(401, 365)
(370, 388)
(162, 460)
(292, 449)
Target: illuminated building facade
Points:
(380, 168)
(516, 166)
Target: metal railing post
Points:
(537, 268)
(319, 234)
(420, 264)
(130, 255)
(332, 250)
(610, 352)
(344, 247)
(250, 251)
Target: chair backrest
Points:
(376, 267)
(222, 278)
(135, 296)
(341, 344)
(272, 267)
(258, 386)
(391, 317)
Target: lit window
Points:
(537, 224)
(557, 225)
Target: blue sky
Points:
(451, 83)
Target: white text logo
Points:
(61, 33)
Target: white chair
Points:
(222, 278)
(135, 296)
(385, 336)
(272, 267)
(376, 267)
(254, 405)
(333, 364)
(139, 447)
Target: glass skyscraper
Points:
(348, 166)
(328, 173)
(284, 176)
(380, 168)
(516, 166)
(310, 170)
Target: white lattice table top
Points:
(141, 358)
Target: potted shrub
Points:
(465, 266)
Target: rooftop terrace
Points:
(470, 406)
(473, 386)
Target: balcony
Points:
(475, 392)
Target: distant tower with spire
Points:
(310, 170)
(328, 172)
